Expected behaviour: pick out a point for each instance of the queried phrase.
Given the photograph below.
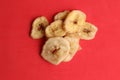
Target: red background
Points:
(19, 54)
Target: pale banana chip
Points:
(74, 20)
(55, 29)
(38, 27)
(61, 15)
(74, 46)
(55, 50)
(88, 31)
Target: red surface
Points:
(19, 54)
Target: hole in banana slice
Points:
(86, 31)
(40, 27)
(54, 51)
(75, 22)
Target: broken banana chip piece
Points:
(55, 50)
(61, 15)
(55, 29)
(38, 26)
(88, 31)
(74, 20)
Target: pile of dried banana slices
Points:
(63, 35)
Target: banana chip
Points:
(61, 15)
(55, 50)
(38, 26)
(88, 31)
(55, 29)
(74, 20)
(74, 46)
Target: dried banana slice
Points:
(61, 15)
(38, 27)
(74, 46)
(88, 31)
(55, 29)
(55, 50)
(74, 20)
